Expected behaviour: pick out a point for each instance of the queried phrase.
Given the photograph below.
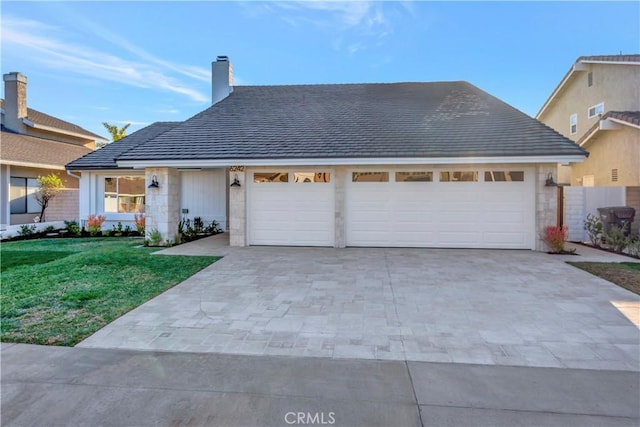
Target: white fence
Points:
(582, 201)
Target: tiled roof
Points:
(31, 149)
(631, 117)
(40, 118)
(104, 158)
(610, 58)
(442, 119)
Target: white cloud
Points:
(46, 44)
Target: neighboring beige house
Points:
(35, 144)
(597, 105)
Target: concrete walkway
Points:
(517, 308)
(44, 386)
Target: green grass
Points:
(60, 291)
(623, 274)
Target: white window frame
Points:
(595, 109)
(573, 121)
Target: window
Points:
(21, 196)
(614, 175)
(311, 177)
(590, 79)
(573, 123)
(596, 110)
(414, 176)
(502, 176)
(260, 177)
(370, 177)
(124, 194)
(458, 176)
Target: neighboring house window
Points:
(590, 79)
(596, 110)
(573, 123)
(21, 193)
(614, 175)
(124, 194)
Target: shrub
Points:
(94, 224)
(73, 228)
(155, 237)
(26, 230)
(593, 225)
(554, 237)
(49, 229)
(127, 230)
(615, 239)
(140, 223)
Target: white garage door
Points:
(452, 207)
(291, 208)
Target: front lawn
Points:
(623, 274)
(60, 291)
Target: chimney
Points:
(222, 79)
(15, 101)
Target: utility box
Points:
(617, 216)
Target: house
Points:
(440, 164)
(35, 144)
(597, 105)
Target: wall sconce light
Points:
(236, 182)
(550, 182)
(154, 182)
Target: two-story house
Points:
(597, 105)
(35, 144)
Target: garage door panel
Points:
(440, 214)
(291, 214)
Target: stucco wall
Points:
(611, 149)
(633, 200)
(618, 86)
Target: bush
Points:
(616, 240)
(94, 224)
(26, 230)
(554, 237)
(155, 237)
(593, 225)
(73, 228)
(49, 229)
(140, 223)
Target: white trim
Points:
(32, 165)
(593, 61)
(595, 108)
(607, 124)
(589, 136)
(140, 164)
(622, 122)
(62, 131)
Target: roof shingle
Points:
(440, 119)
(31, 149)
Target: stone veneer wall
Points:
(546, 203)
(162, 204)
(238, 208)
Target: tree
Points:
(116, 132)
(48, 187)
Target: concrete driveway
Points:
(492, 307)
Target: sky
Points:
(141, 62)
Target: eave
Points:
(61, 131)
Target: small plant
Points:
(615, 239)
(139, 221)
(213, 228)
(198, 225)
(127, 230)
(27, 230)
(554, 237)
(94, 224)
(634, 246)
(593, 225)
(73, 228)
(117, 230)
(155, 237)
(49, 229)
(168, 243)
